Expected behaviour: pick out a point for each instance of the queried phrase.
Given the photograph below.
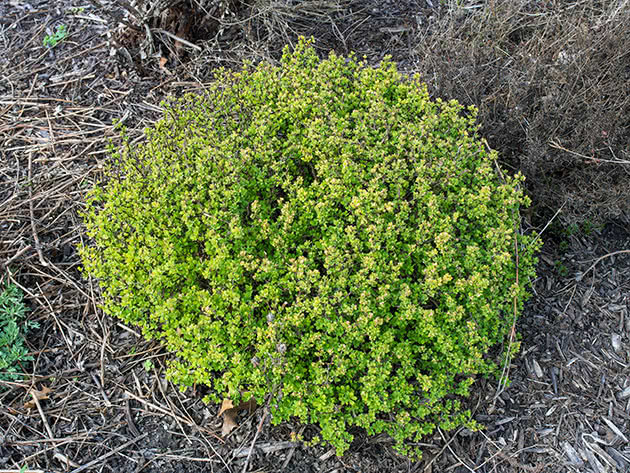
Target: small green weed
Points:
(51, 40)
(585, 228)
(588, 227)
(561, 268)
(148, 366)
(12, 349)
(572, 229)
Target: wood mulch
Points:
(97, 398)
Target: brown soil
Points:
(110, 407)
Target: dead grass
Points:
(552, 84)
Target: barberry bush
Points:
(321, 235)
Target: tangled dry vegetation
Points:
(551, 80)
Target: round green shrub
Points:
(322, 235)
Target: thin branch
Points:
(599, 259)
(108, 454)
(177, 38)
(38, 246)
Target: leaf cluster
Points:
(319, 233)
(12, 332)
(60, 34)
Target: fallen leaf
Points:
(226, 405)
(162, 64)
(39, 395)
(230, 413)
(229, 421)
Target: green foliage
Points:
(561, 268)
(51, 40)
(586, 227)
(147, 365)
(320, 232)
(12, 328)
